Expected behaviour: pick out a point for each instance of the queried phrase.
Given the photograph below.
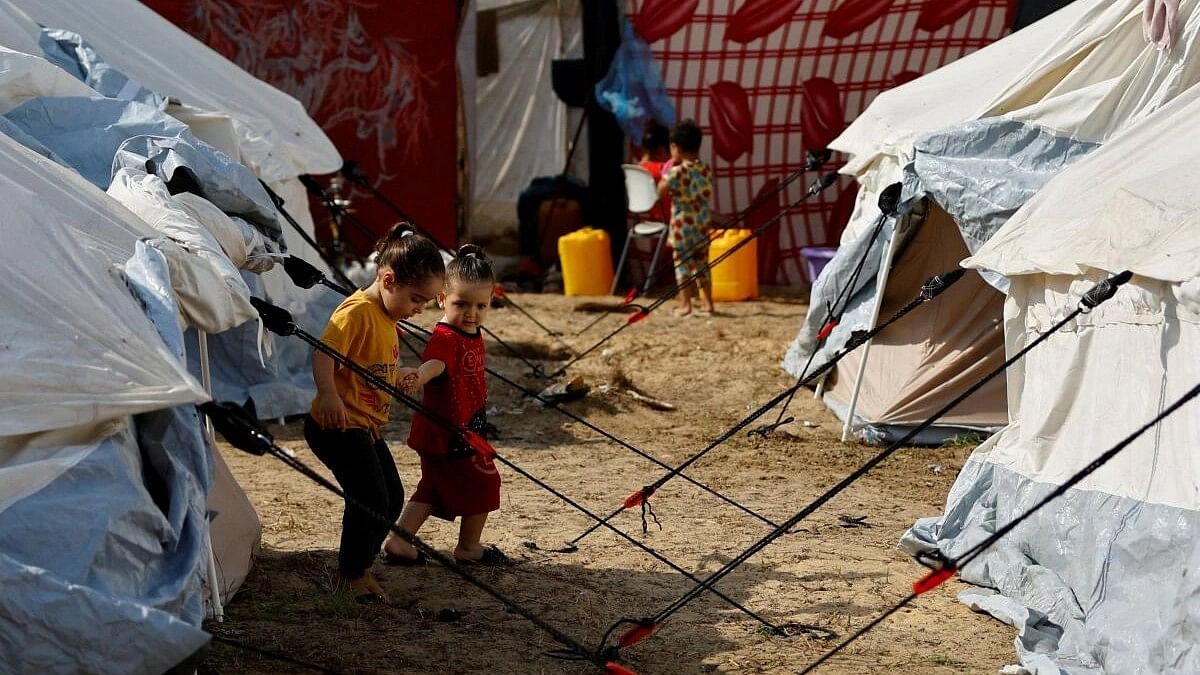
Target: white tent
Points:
(971, 143)
(95, 394)
(81, 357)
(1103, 579)
(251, 121)
(276, 137)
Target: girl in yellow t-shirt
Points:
(343, 425)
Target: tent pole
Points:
(819, 390)
(205, 375)
(885, 267)
(214, 587)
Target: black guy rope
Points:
(305, 275)
(279, 321)
(243, 432)
(889, 204)
(1099, 293)
(278, 201)
(278, 656)
(943, 568)
(930, 290)
(816, 187)
(815, 160)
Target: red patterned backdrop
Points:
(378, 75)
(770, 79)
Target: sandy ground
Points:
(715, 370)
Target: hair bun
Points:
(470, 250)
(399, 231)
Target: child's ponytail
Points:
(412, 257)
(470, 266)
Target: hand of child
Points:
(330, 412)
(408, 380)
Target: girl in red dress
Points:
(455, 482)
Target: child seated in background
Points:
(656, 156)
(688, 183)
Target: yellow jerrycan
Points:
(586, 259)
(736, 277)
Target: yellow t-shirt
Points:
(361, 330)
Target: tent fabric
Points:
(73, 54)
(1102, 579)
(521, 129)
(86, 132)
(235, 530)
(220, 179)
(1110, 214)
(23, 77)
(923, 360)
(109, 374)
(277, 138)
(1078, 92)
(96, 136)
(216, 298)
(124, 525)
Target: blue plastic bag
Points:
(633, 89)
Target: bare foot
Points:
(468, 554)
(683, 311)
(373, 586)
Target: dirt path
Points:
(714, 370)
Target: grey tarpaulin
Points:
(97, 136)
(107, 559)
(982, 171)
(73, 54)
(1039, 571)
(17, 134)
(86, 132)
(221, 180)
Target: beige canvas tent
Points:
(970, 143)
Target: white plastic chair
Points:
(642, 194)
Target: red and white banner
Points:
(769, 80)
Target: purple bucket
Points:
(815, 259)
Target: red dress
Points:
(454, 480)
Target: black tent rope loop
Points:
(279, 321)
(1097, 295)
(857, 339)
(306, 276)
(943, 567)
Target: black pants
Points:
(367, 473)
